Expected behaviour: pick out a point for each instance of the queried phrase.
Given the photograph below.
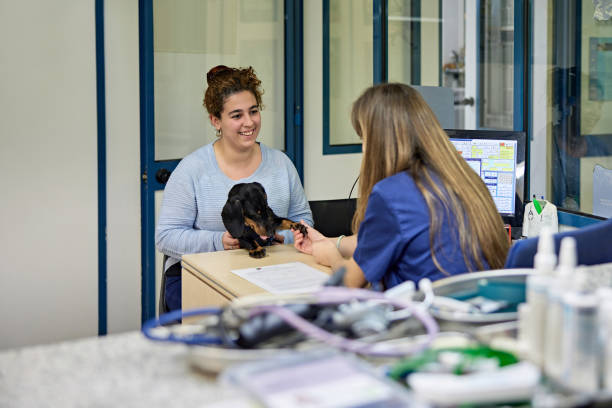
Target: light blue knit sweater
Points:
(190, 216)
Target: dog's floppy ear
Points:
(233, 219)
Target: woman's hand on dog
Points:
(229, 242)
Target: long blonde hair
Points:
(401, 133)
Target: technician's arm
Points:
(326, 253)
(347, 245)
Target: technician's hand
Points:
(229, 242)
(304, 243)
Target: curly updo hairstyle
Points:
(224, 81)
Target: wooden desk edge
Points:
(208, 280)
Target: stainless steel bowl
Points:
(507, 283)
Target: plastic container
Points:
(537, 295)
(580, 338)
(561, 284)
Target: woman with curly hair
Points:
(190, 218)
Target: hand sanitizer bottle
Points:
(560, 284)
(537, 294)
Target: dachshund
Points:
(247, 217)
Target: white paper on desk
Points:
(293, 277)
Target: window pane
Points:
(445, 44)
(414, 42)
(497, 73)
(350, 63)
(572, 105)
(459, 59)
(192, 36)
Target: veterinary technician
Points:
(422, 211)
(190, 216)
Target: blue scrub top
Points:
(393, 239)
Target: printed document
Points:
(293, 277)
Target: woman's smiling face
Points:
(240, 120)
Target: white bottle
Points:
(604, 294)
(580, 345)
(524, 325)
(537, 294)
(560, 284)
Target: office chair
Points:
(592, 246)
(163, 308)
(332, 218)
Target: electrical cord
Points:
(351, 192)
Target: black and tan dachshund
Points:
(248, 218)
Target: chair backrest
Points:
(162, 306)
(332, 218)
(593, 246)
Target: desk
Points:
(207, 279)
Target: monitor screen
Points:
(499, 158)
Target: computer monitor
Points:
(498, 156)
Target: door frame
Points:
(149, 167)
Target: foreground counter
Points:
(121, 370)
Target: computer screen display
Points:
(495, 162)
(499, 158)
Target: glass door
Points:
(180, 42)
(464, 45)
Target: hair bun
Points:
(216, 71)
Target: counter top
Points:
(116, 370)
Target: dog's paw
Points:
(257, 252)
(300, 227)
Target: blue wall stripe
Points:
(415, 40)
(298, 68)
(379, 33)
(519, 65)
(294, 84)
(147, 159)
(479, 63)
(101, 106)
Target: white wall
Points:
(49, 158)
(539, 173)
(329, 176)
(49, 205)
(48, 210)
(123, 165)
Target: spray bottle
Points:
(537, 294)
(560, 284)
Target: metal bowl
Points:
(499, 284)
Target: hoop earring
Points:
(219, 132)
